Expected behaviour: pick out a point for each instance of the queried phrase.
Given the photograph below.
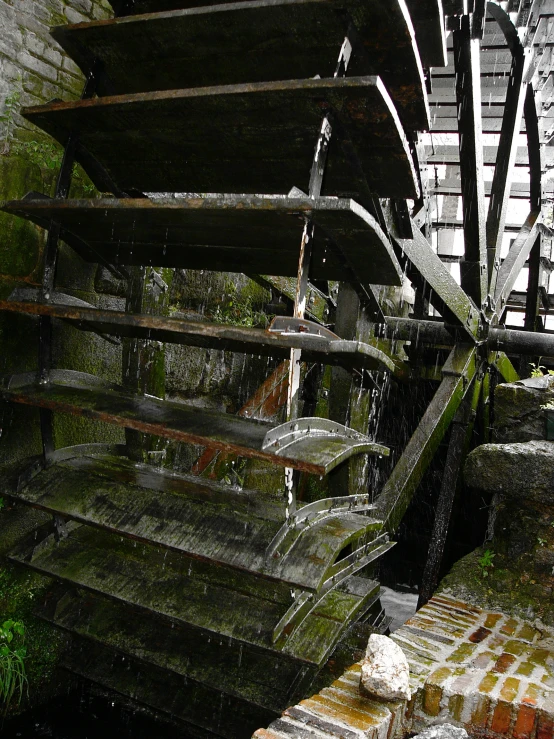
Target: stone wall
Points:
(514, 569)
(32, 65)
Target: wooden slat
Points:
(222, 337)
(81, 395)
(473, 268)
(428, 19)
(238, 138)
(191, 516)
(261, 677)
(256, 41)
(518, 190)
(227, 232)
(196, 709)
(451, 155)
(444, 119)
(178, 590)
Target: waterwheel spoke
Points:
(397, 492)
(451, 297)
(460, 439)
(468, 103)
(507, 147)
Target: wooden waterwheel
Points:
(276, 138)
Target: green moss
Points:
(509, 587)
(21, 242)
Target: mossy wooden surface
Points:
(80, 395)
(192, 516)
(216, 662)
(20, 243)
(177, 591)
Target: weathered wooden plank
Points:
(507, 151)
(428, 20)
(191, 516)
(258, 676)
(444, 286)
(515, 260)
(315, 348)
(444, 119)
(474, 266)
(518, 190)
(227, 233)
(201, 708)
(174, 46)
(397, 492)
(177, 590)
(451, 155)
(76, 394)
(255, 137)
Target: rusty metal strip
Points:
(397, 492)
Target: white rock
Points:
(443, 731)
(385, 671)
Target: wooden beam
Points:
(395, 497)
(468, 100)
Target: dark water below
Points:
(84, 716)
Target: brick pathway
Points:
(491, 673)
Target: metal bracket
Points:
(290, 325)
(309, 515)
(280, 439)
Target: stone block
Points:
(518, 470)
(517, 409)
(443, 731)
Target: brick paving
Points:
(488, 672)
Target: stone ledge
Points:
(490, 673)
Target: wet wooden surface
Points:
(186, 514)
(258, 676)
(201, 708)
(234, 233)
(226, 43)
(77, 395)
(348, 354)
(256, 138)
(179, 590)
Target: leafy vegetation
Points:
(537, 370)
(486, 562)
(239, 310)
(13, 676)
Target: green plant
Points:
(239, 311)
(537, 369)
(2, 503)
(13, 678)
(486, 562)
(542, 542)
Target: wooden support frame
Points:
(468, 103)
